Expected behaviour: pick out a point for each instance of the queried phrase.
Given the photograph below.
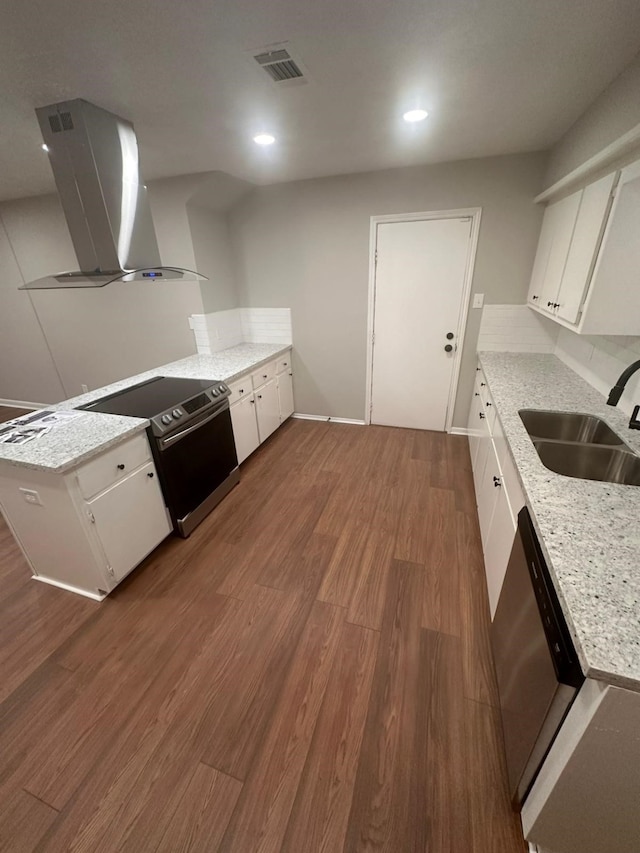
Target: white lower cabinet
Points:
(129, 520)
(261, 400)
(90, 526)
(498, 494)
(284, 382)
(245, 426)
(267, 409)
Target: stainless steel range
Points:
(191, 438)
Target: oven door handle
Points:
(165, 443)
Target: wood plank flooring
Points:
(7, 413)
(310, 671)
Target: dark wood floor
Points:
(7, 413)
(310, 671)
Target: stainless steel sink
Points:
(568, 426)
(590, 461)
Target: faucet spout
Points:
(616, 392)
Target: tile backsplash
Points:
(599, 359)
(223, 329)
(515, 328)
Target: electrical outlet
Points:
(85, 388)
(478, 300)
(31, 497)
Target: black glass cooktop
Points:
(150, 398)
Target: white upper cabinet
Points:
(588, 257)
(613, 302)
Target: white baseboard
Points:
(23, 404)
(458, 431)
(327, 419)
(69, 588)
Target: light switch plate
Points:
(478, 300)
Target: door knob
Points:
(449, 336)
(448, 348)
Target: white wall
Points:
(211, 245)
(611, 115)
(92, 336)
(306, 245)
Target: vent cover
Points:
(60, 121)
(279, 66)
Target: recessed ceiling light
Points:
(415, 115)
(44, 146)
(264, 139)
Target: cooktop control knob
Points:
(221, 389)
(166, 419)
(215, 392)
(176, 413)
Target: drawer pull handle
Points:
(150, 475)
(120, 467)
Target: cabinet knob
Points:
(150, 475)
(264, 375)
(259, 396)
(476, 393)
(477, 370)
(481, 415)
(120, 467)
(556, 304)
(482, 384)
(497, 482)
(535, 297)
(286, 364)
(488, 404)
(549, 304)
(253, 402)
(241, 390)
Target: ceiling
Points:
(498, 76)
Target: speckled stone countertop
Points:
(588, 530)
(91, 434)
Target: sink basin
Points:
(568, 426)
(590, 461)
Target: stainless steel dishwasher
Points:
(536, 663)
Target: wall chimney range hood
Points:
(94, 157)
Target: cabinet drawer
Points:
(113, 465)
(284, 363)
(240, 388)
(263, 374)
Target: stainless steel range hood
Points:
(94, 157)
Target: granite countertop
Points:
(78, 440)
(589, 531)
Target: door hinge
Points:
(91, 516)
(376, 258)
(373, 338)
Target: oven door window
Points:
(195, 465)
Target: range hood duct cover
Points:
(95, 162)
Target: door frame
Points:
(475, 213)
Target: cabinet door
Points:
(487, 492)
(245, 426)
(587, 235)
(130, 520)
(497, 548)
(564, 216)
(553, 248)
(284, 382)
(268, 409)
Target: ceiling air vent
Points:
(280, 66)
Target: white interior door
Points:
(419, 284)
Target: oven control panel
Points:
(183, 414)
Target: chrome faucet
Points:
(618, 388)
